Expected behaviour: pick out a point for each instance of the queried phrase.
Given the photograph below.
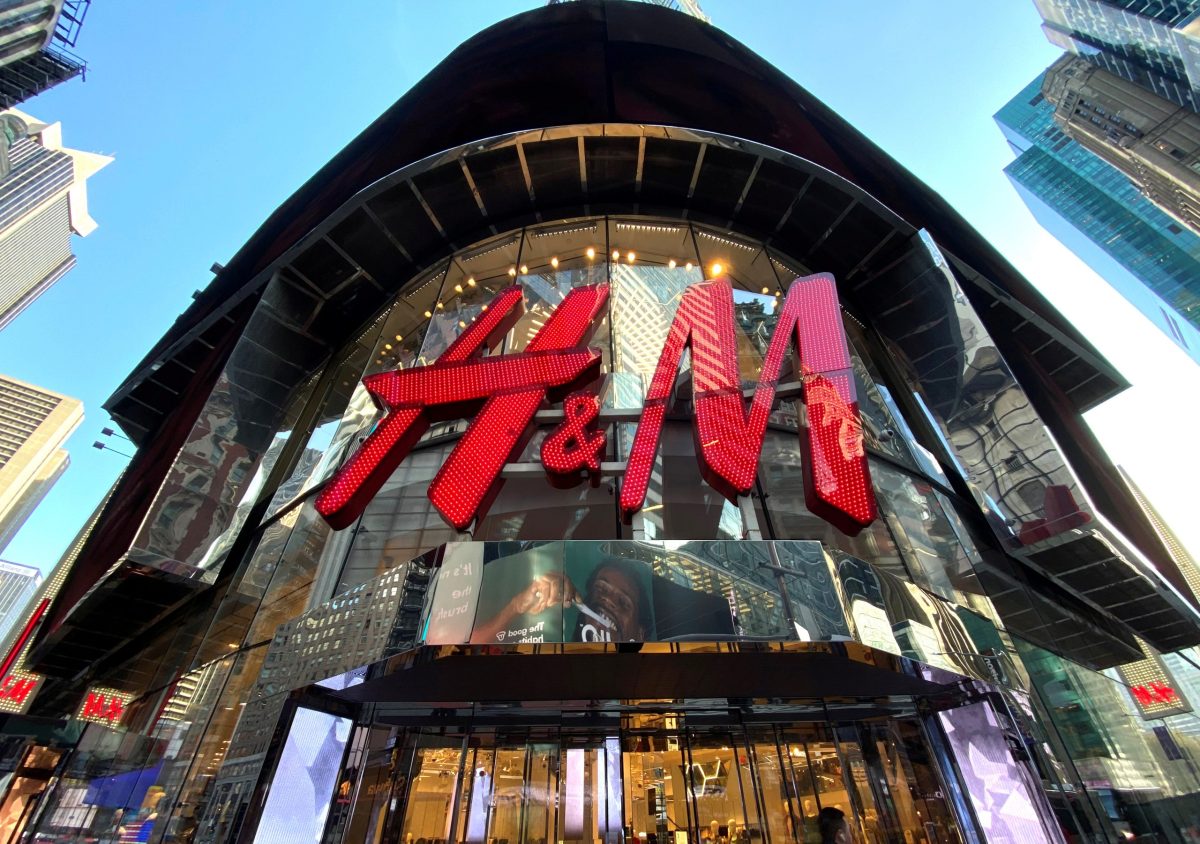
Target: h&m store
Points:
(614, 447)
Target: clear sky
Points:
(217, 111)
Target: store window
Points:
(1141, 771)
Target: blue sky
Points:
(217, 111)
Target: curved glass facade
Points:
(546, 565)
(648, 264)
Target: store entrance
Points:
(651, 779)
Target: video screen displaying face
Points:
(589, 592)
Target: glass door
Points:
(423, 812)
(820, 795)
(524, 790)
(917, 798)
(656, 806)
(720, 784)
(589, 789)
(776, 793)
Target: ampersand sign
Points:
(575, 445)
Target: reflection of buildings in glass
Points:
(199, 496)
(644, 300)
(1096, 212)
(1148, 138)
(1153, 45)
(1005, 447)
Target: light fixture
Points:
(716, 269)
(104, 446)
(440, 306)
(524, 269)
(554, 263)
(616, 255)
(512, 271)
(644, 227)
(630, 257)
(591, 253)
(727, 241)
(428, 314)
(671, 263)
(766, 290)
(387, 347)
(567, 229)
(688, 265)
(458, 288)
(399, 337)
(471, 281)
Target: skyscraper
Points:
(34, 424)
(17, 585)
(1153, 44)
(688, 7)
(1185, 562)
(1153, 141)
(1095, 211)
(43, 200)
(34, 37)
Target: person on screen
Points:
(613, 602)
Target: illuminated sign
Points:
(104, 706)
(1153, 693)
(504, 392)
(15, 690)
(1152, 688)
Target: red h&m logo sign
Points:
(15, 689)
(104, 706)
(505, 391)
(1152, 694)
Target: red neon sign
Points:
(100, 707)
(510, 389)
(576, 445)
(1154, 694)
(16, 688)
(505, 392)
(837, 485)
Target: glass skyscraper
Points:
(1093, 209)
(1152, 44)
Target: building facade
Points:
(1094, 210)
(681, 470)
(34, 424)
(43, 201)
(17, 585)
(1153, 141)
(1154, 45)
(35, 37)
